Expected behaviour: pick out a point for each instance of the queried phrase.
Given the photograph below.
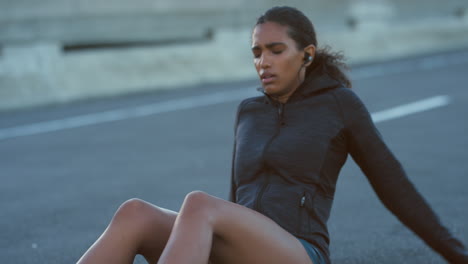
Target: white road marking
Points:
(188, 103)
(428, 63)
(126, 113)
(411, 108)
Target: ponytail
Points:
(331, 63)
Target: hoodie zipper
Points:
(264, 186)
(280, 114)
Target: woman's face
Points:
(279, 64)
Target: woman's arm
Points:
(390, 182)
(232, 188)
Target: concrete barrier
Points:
(38, 71)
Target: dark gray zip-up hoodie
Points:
(287, 158)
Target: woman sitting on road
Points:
(290, 145)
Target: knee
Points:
(134, 211)
(198, 203)
(198, 199)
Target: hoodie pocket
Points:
(287, 206)
(318, 209)
(305, 203)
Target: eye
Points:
(277, 51)
(256, 55)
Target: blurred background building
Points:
(56, 51)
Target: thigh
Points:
(242, 235)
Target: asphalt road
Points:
(60, 188)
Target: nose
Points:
(264, 62)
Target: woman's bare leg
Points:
(209, 228)
(137, 227)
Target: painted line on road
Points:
(125, 113)
(189, 103)
(426, 63)
(411, 108)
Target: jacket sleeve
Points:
(232, 189)
(389, 180)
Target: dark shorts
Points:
(313, 252)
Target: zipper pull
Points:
(303, 200)
(280, 114)
(280, 109)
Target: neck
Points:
(282, 99)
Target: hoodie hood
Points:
(315, 82)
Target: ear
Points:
(311, 51)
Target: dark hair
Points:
(301, 30)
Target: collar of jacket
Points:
(315, 82)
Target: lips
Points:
(267, 77)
